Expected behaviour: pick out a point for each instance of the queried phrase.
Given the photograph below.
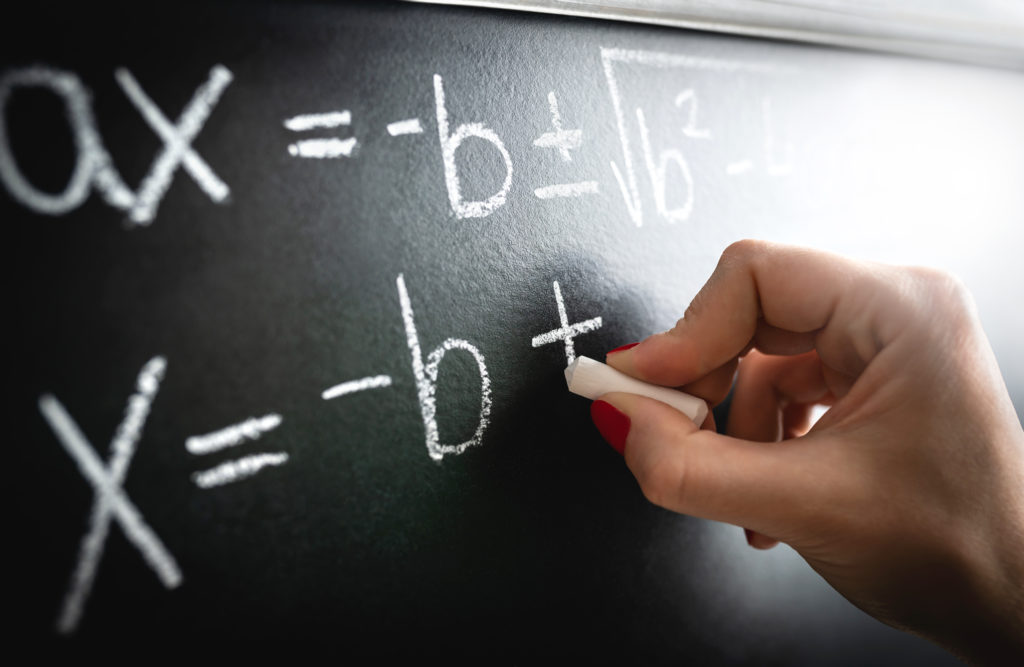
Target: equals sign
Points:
(321, 148)
(232, 436)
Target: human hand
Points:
(907, 496)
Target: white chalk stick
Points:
(592, 379)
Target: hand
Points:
(907, 496)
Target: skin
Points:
(907, 496)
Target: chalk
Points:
(313, 121)
(566, 332)
(177, 140)
(323, 149)
(566, 190)
(592, 379)
(93, 165)
(401, 127)
(563, 140)
(110, 502)
(234, 471)
(352, 386)
(739, 167)
(450, 142)
(230, 436)
(627, 177)
(426, 381)
(658, 169)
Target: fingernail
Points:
(749, 534)
(625, 347)
(613, 424)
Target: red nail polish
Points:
(625, 347)
(613, 424)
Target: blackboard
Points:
(247, 216)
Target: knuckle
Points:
(944, 293)
(747, 246)
(738, 257)
(744, 251)
(754, 369)
(932, 279)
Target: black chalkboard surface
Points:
(293, 287)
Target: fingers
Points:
(780, 297)
(714, 386)
(771, 401)
(773, 394)
(702, 473)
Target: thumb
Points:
(772, 489)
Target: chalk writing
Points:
(321, 149)
(689, 98)
(401, 127)
(657, 164)
(177, 140)
(778, 160)
(312, 121)
(93, 165)
(739, 167)
(237, 470)
(110, 502)
(657, 169)
(352, 386)
(232, 436)
(450, 142)
(650, 156)
(565, 141)
(566, 332)
(426, 381)
(566, 190)
(562, 139)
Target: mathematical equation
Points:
(326, 136)
(112, 504)
(667, 170)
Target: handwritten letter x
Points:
(110, 501)
(177, 142)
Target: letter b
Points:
(450, 143)
(426, 381)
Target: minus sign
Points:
(400, 127)
(736, 168)
(352, 386)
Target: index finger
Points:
(788, 296)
